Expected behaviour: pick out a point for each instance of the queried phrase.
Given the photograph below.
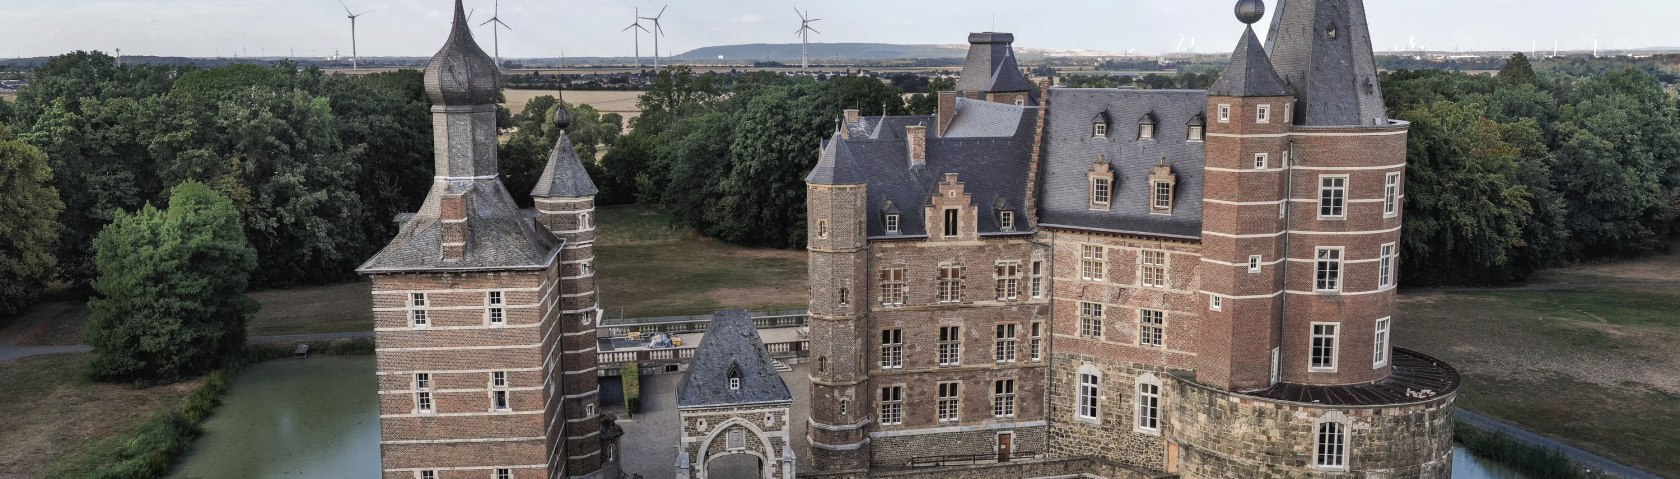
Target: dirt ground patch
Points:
(1596, 363)
(320, 309)
(52, 411)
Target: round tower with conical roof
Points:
(842, 407)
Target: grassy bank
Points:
(1533, 461)
(646, 268)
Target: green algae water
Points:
(1468, 466)
(293, 418)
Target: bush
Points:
(1534, 461)
(152, 448)
(632, 378)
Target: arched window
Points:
(1090, 389)
(1148, 404)
(1330, 441)
(734, 378)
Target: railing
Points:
(622, 327)
(612, 359)
(969, 459)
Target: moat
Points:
(319, 418)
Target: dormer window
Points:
(1102, 185)
(951, 225)
(1006, 221)
(1099, 125)
(1146, 127)
(1162, 184)
(734, 379)
(1198, 129)
(892, 223)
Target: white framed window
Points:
(1020, 101)
(1036, 286)
(1008, 281)
(1323, 347)
(1035, 342)
(822, 229)
(1006, 220)
(1090, 386)
(425, 474)
(499, 400)
(892, 223)
(423, 392)
(1288, 113)
(892, 287)
(734, 379)
(1152, 267)
(583, 220)
(1162, 198)
(1152, 327)
(1091, 320)
(1391, 195)
(1099, 130)
(1224, 113)
(951, 223)
(1263, 114)
(1092, 262)
(1330, 446)
(1003, 398)
(950, 345)
(1379, 344)
(737, 438)
(588, 267)
(892, 349)
(1283, 161)
(844, 296)
(1148, 405)
(1261, 161)
(1385, 266)
(498, 379)
(950, 283)
(1146, 131)
(504, 473)
(1332, 197)
(417, 310)
(892, 405)
(1003, 350)
(494, 311)
(1101, 193)
(1216, 302)
(1196, 133)
(1254, 263)
(948, 405)
(1277, 365)
(1327, 270)
(589, 409)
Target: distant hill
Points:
(789, 52)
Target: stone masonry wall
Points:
(896, 451)
(705, 436)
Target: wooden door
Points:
(1005, 446)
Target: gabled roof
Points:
(1322, 51)
(564, 177)
(1070, 151)
(1250, 73)
(731, 344)
(991, 65)
(984, 119)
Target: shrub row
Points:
(631, 374)
(1534, 461)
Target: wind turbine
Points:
(355, 60)
(658, 31)
(496, 30)
(632, 29)
(804, 33)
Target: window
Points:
(844, 296)
(948, 402)
(1152, 327)
(499, 400)
(892, 223)
(498, 379)
(1146, 131)
(1216, 302)
(737, 438)
(1090, 320)
(583, 220)
(1009, 281)
(1036, 286)
(1091, 263)
(892, 287)
(822, 229)
(842, 408)
(496, 314)
(1379, 344)
(1385, 266)
(1099, 130)
(1088, 386)
(1148, 406)
(589, 410)
(1284, 160)
(1261, 161)
(1152, 267)
(417, 312)
(950, 345)
(892, 405)
(734, 379)
(504, 474)
(587, 267)
(1163, 197)
(1328, 270)
(892, 349)
(1332, 196)
(423, 392)
(1003, 398)
(951, 226)
(1100, 192)
(1196, 133)
(1006, 221)
(426, 474)
(1224, 113)
(950, 283)
(1035, 342)
(1263, 114)
(1323, 347)
(1331, 446)
(1288, 113)
(1004, 351)
(1020, 101)
(1391, 195)
(1254, 263)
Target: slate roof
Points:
(1250, 73)
(564, 177)
(1070, 152)
(991, 65)
(731, 343)
(1334, 77)
(461, 73)
(990, 167)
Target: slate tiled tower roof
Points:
(1322, 50)
(564, 177)
(991, 65)
(1250, 73)
(731, 346)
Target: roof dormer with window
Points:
(951, 213)
(1146, 126)
(1102, 184)
(1100, 125)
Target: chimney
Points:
(453, 213)
(916, 137)
(947, 110)
(852, 116)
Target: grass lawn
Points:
(53, 413)
(1588, 354)
(646, 268)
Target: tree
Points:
(29, 211)
(1518, 71)
(170, 299)
(1619, 164)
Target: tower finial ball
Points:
(1250, 11)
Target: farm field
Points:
(605, 101)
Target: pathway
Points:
(1591, 461)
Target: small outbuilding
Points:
(734, 406)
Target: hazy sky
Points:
(543, 28)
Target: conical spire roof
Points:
(461, 73)
(1322, 50)
(1250, 73)
(835, 166)
(564, 177)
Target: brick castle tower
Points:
(836, 239)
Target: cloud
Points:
(753, 18)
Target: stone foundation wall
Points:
(896, 451)
(1080, 467)
(1113, 436)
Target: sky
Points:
(546, 28)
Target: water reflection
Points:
(1466, 466)
(291, 418)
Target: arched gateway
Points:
(734, 407)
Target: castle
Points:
(1199, 283)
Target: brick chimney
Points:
(852, 116)
(916, 137)
(947, 110)
(453, 213)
